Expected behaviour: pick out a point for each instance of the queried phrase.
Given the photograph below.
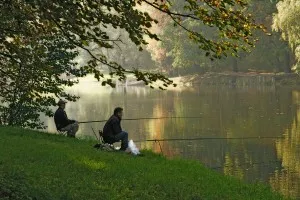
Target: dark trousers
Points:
(123, 137)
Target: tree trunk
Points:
(290, 61)
(235, 65)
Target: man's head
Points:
(118, 112)
(62, 104)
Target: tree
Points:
(39, 40)
(269, 54)
(28, 82)
(287, 21)
(126, 53)
(185, 56)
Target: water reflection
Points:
(287, 180)
(225, 112)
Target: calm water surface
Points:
(223, 113)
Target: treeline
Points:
(177, 55)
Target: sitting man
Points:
(62, 122)
(112, 131)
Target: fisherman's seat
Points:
(101, 138)
(64, 133)
(104, 145)
(105, 142)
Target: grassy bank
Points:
(44, 166)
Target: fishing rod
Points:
(143, 118)
(199, 138)
(208, 138)
(202, 138)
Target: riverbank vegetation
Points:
(36, 165)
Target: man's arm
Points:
(71, 121)
(116, 127)
(62, 119)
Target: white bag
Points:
(134, 150)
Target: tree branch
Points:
(171, 13)
(87, 50)
(188, 30)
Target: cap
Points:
(61, 102)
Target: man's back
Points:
(60, 118)
(112, 127)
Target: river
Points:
(222, 112)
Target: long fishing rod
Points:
(208, 138)
(143, 118)
(203, 138)
(211, 138)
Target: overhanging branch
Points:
(171, 13)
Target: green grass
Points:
(44, 166)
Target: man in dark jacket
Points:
(62, 122)
(112, 131)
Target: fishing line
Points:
(208, 138)
(143, 118)
(211, 138)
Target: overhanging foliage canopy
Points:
(39, 40)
